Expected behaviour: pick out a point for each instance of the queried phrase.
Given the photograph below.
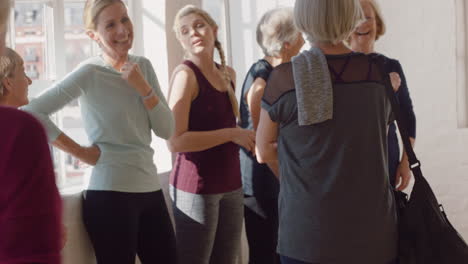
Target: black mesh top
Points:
(335, 203)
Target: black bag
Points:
(425, 233)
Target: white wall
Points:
(422, 35)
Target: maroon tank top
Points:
(215, 170)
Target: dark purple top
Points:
(215, 170)
(30, 205)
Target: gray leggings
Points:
(208, 226)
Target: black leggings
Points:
(262, 232)
(121, 225)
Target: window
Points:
(219, 10)
(462, 62)
(50, 36)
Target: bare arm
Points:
(254, 99)
(403, 173)
(89, 155)
(184, 89)
(267, 134)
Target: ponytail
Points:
(227, 77)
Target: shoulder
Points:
(87, 68)
(18, 120)
(280, 82)
(87, 65)
(184, 71)
(391, 65)
(184, 75)
(261, 69)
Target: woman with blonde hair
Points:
(279, 40)
(363, 40)
(205, 184)
(14, 82)
(124, 210)
(324, 117)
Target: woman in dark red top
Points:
(30, 206)
(205, 182)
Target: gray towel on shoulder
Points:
(314, 89)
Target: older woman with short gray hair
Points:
(279, 40)
(324, 118)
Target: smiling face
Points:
(363, 38)
(114, 31)
(196, 35)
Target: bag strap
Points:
(414, 163)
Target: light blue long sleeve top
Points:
(115, 119)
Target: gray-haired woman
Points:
(324, 117)
(279, 40)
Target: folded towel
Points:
(314, 89)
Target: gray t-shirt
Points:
(336, 204)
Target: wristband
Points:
(149, 95)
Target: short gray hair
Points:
(275, 28)
(8, 62)
(327, 21)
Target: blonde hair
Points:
(275, 28)
(327, 21)
(93, 9)
(8, 62)
(381, 27)
(191, 9)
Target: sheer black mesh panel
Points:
(353, 68)
(281, 81)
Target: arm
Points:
(266, 139)
(184, 89)
(403, 176)
(52, 101)
(403, 173)
(160, 116)
(254, 99)
(89, 155)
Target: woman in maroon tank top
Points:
(205, 182)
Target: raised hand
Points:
(131, 73)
